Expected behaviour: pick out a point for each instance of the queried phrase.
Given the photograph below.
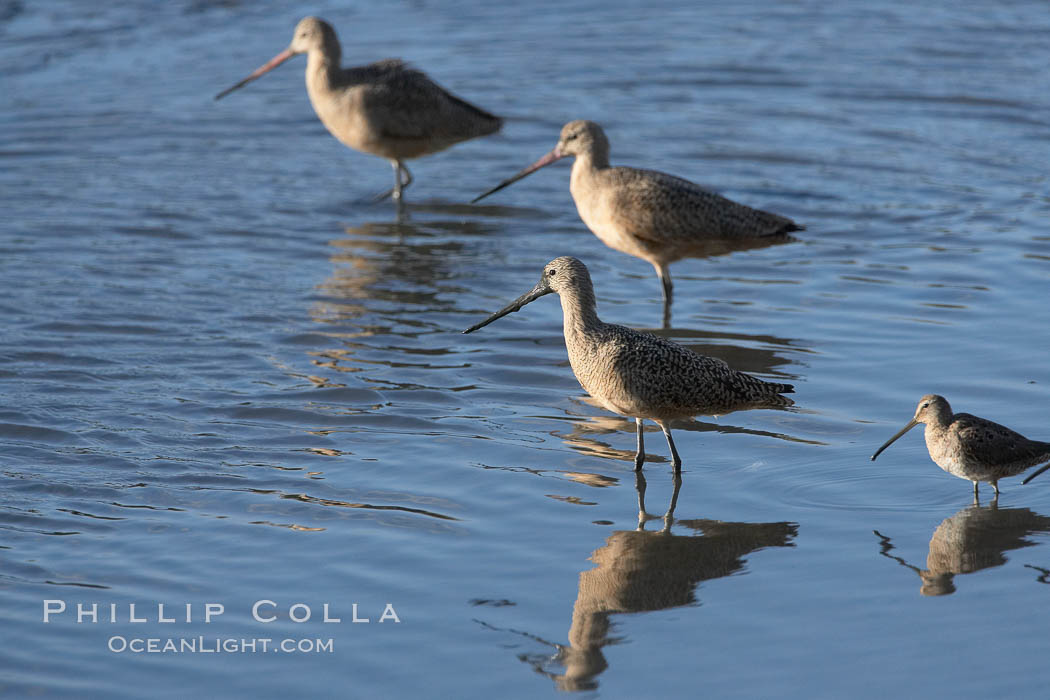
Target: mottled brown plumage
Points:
(639, 374)
(973, 448)
(648, 214)
(385, 108)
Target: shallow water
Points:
(227, 377)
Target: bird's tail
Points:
(769, 394)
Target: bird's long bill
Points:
(264, 68)
(535, 293)
(893, 439)
(545, 160)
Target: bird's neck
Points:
(322, 68)
(582, 181)
(580, 313)
(934, 429)
(594, 158)
(940, 420)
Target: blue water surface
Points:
(228, 378)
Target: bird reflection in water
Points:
(390, 282)
(402, 262)
(975, 538)
(407, 261)
(647, 570)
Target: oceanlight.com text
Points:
(218, 645)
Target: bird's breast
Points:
(340, 114)
(602, 214)
(600, 375)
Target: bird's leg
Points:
(639, 457)
(676, 461)
(665, 279)
(975, 490)
(408, 175)
(399, 184)
(395, 191)
(995, 485)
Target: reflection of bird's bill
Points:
(893, 439)
(264, 68)
(1036, 473)
(542, 162)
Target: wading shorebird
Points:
(638, 374)
(385, 108)
(972, 448)
(651, 215)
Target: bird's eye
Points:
(925, 405)
(551, 272)
(570, 137)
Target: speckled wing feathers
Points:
(705, 385)
(985, 442)
(409, 105)
(667, 209)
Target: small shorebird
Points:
(639, 374)
(651, 215)
(385, 108)
(972, 448)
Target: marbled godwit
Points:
(657, 217)
(385, 108)
(973, 448)
(639, 374)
